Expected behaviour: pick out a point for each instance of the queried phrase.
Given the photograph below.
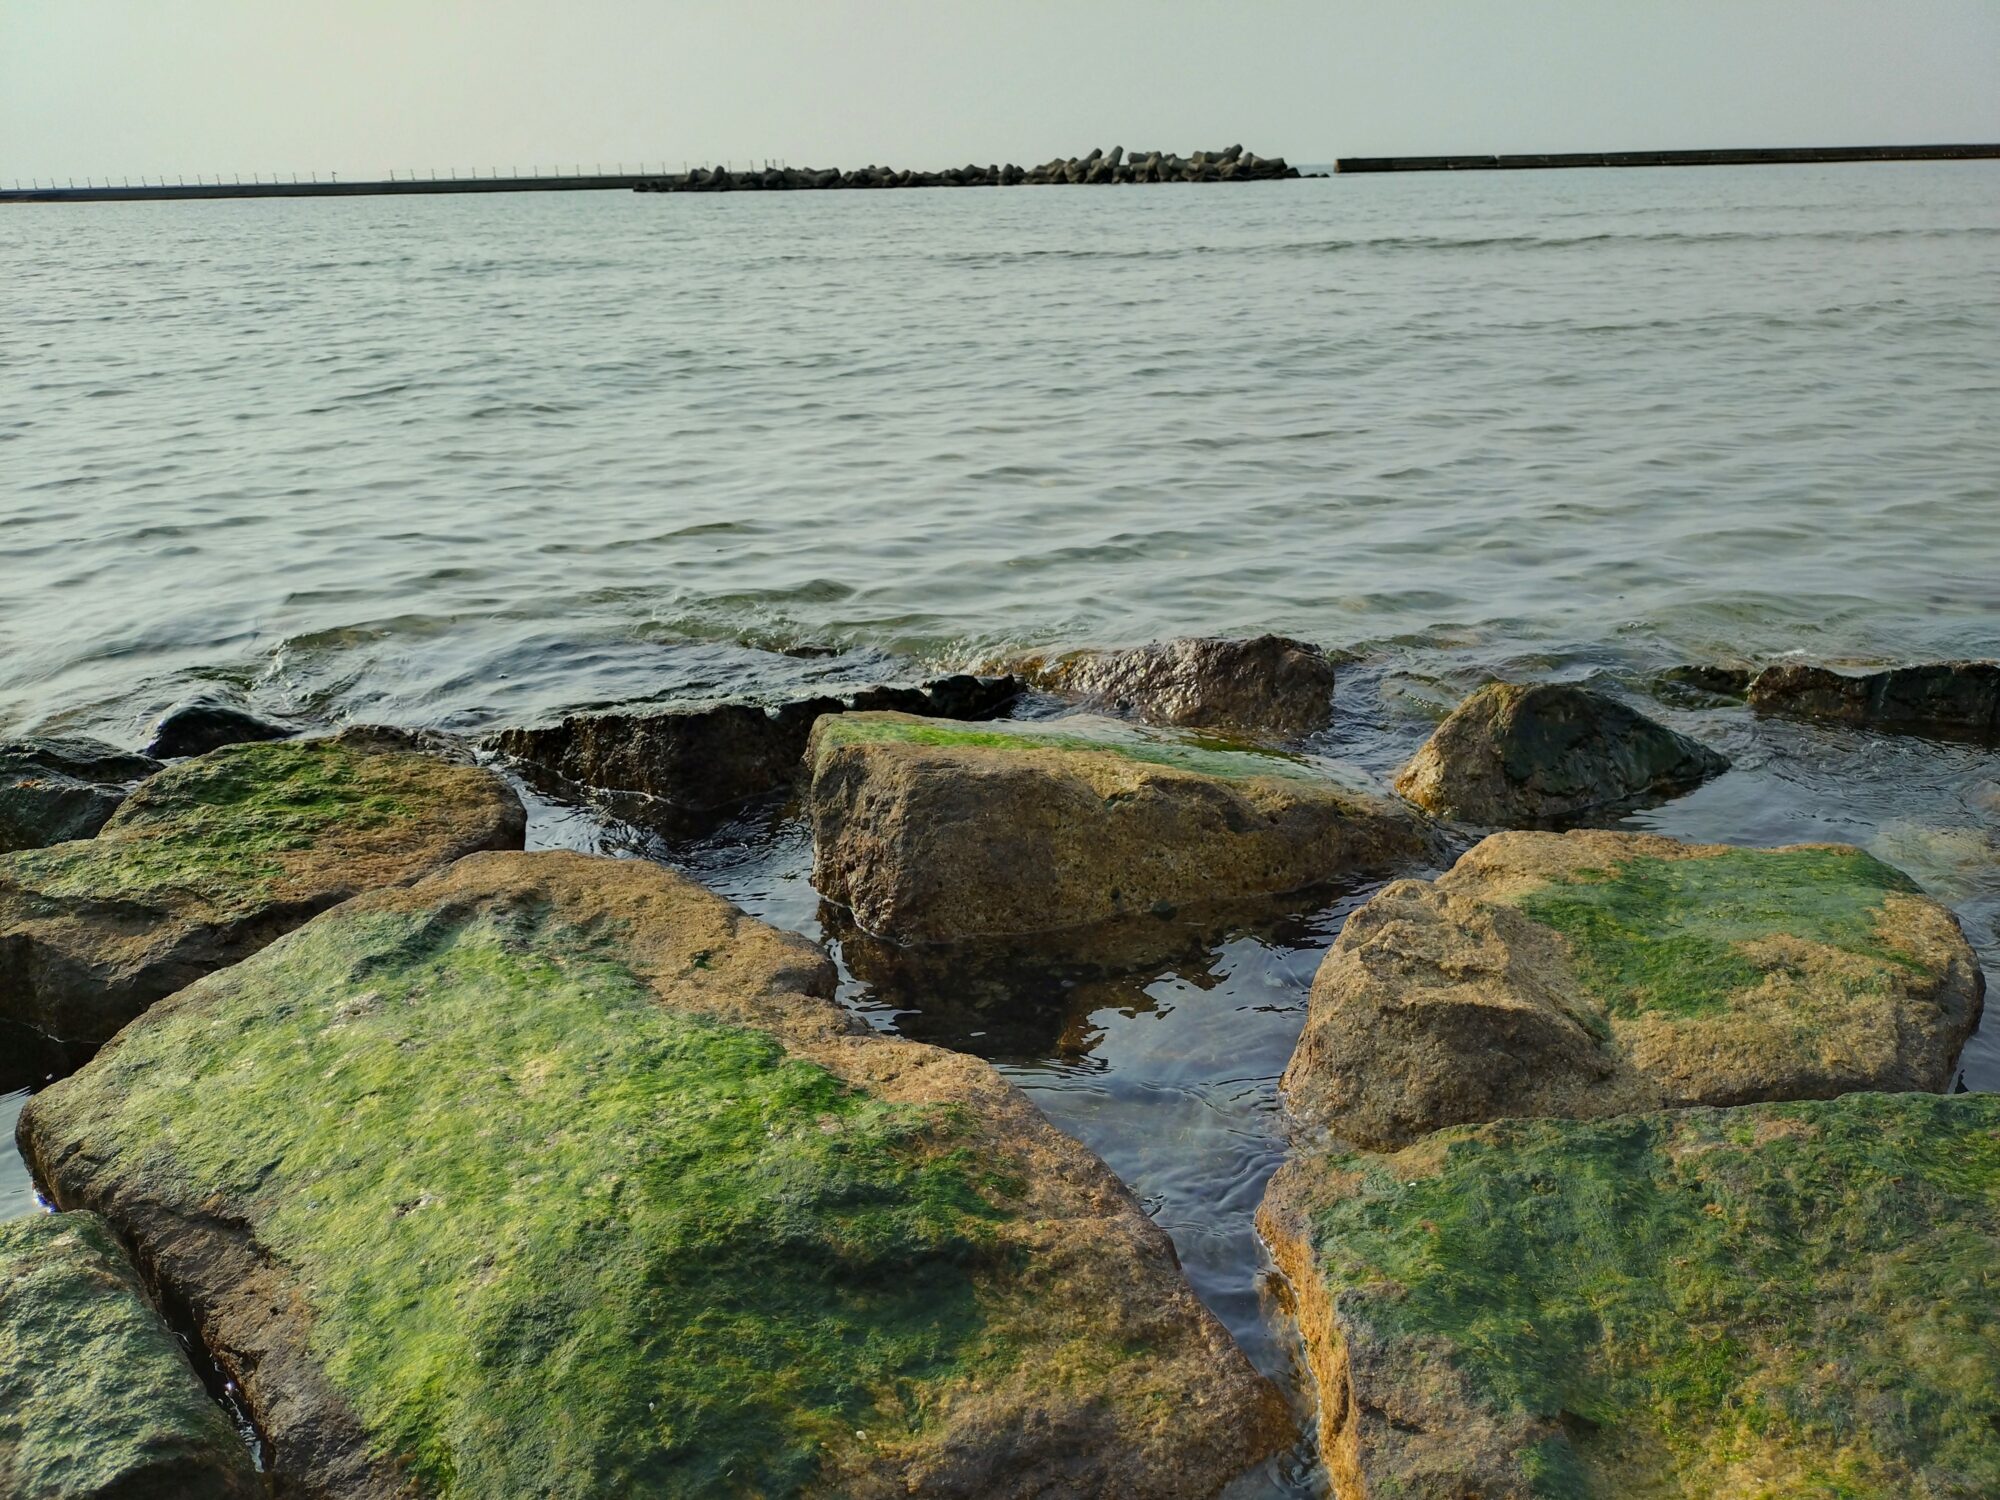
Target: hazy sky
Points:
(113, 87)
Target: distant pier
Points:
(1750, 157)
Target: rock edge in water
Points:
(1957, 697)
(1259, 685)
(97, 1400)
(62, 787)
(1100, 168)
(1594, 973)
(591, 1189)
(1777, 1300)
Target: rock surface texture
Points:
(1591, 973)
(554, 1174)
(97, 1401)
(930, 831)
(695, 761)
(1513, 756)
(1267, 685)
(60, 788)
(1958, 697)
(210, 860)
(1775, 1301)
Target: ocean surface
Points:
(470, 462)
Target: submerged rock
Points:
(63, 787)
(1521, 756)
(1959, 697)
(558, 1175)
(931, 831)
(1264, 685)
(207, 722)
(210, 860)
(1780, 1300)
(97, 1401)
(1591, 973)
(696, 761)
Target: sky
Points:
(169, 87)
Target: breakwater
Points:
(1100, 167)
(1742, 157)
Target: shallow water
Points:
(472, 462)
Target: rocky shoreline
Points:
(1618, 1163)
(1115, 168)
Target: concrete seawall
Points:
(1753, 156)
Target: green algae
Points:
(555, 1238)
(218, 825)
(1667, 935)
(1802, 1292)
(96, 1397)
(1206, 755)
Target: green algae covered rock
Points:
(931, 831)
(1763, 1303)
(1593, 973)
(211, 859)
(1522, 757)
(557, 1175)
(97, 1401)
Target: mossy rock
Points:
(557, 1175)
(1264, 685)
(211, 859)
(1592, 973)
(1763, 1303)
(97, 1401)
(60, 788)
(1530, 757)
(933, 831)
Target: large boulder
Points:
(97, 1401)
(62, 787)
(557, 1175)
(1590, 973)
(692, 763)
(1267, 685)
(1779, 1300)
(930, 831)
(1512, 756)
(1957, 697)
(210, 860)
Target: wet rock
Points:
(930, 831)
(213, 858)
(1590, 973)
(1785, 1299)
(62, 787)
(590, 1140)
(1512, 756)
(1958, 697)
(696, 761)
(97, 1401)
(1266, 685)
(1701, 682)
(207, 722)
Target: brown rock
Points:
(1957, 697)
(1267, 685)
(930, 831)
(1512, 756)
(1594, 972)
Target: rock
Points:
(1590, 973)
(206, 722)
(932, 831)
(61, 788)
(698, 761)
(1512, 756)
(213, 858)
(97, 1401)
(1699, 682)
(1781, 1300)
(1961, 697)
(1265, 685)
(557, 1175)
